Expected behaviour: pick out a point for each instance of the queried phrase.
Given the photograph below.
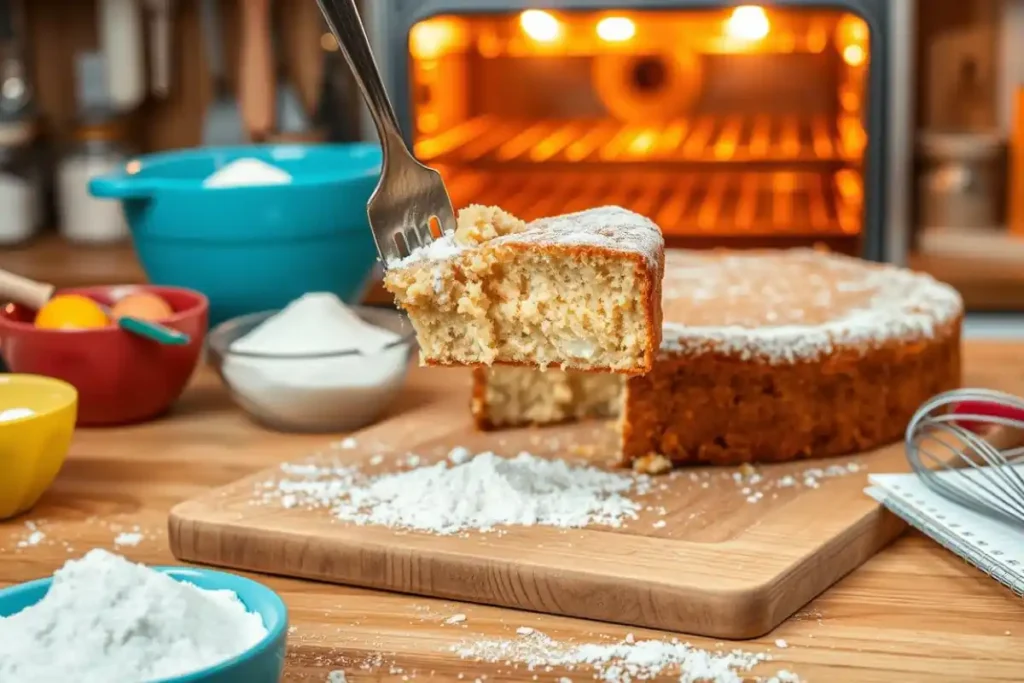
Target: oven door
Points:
(729, 126)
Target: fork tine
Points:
(425, 235)
(446, 217)
(412, 238)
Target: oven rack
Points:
(748, 204)
(758, 138)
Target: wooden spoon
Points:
(256, 70)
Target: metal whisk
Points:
(981, 468)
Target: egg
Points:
(144, 306)
(71, 312)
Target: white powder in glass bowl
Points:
(325, 394)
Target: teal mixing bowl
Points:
(262, 663)
(253, 248)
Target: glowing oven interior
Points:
(740, 125)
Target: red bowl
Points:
(120, 377)
(986, 408)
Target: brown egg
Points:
(143, 306)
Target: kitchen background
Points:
(85, 85)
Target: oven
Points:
(730, 124)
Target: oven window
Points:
(736, 126)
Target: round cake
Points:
(770, 356)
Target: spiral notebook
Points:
(994, 547)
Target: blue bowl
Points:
(251, 249)
(262, 663)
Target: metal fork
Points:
(409, 195)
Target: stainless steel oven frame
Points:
(888, 178)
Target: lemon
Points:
(71, 312)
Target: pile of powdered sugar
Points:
(623, 661)
(465, 492)
(107, 619)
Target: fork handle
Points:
(343, 19)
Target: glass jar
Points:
(98, 149)
(19, 183)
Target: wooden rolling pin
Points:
(256, 69)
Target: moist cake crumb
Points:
(580, 291)
(652, 463)
(511, 396)
(478, 224)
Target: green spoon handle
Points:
(156, 332)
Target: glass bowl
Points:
(313, 393)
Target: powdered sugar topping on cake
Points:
(610, 228)
(605, 227)
(801, 304)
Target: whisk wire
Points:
(961, 465)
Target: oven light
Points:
(854, 55)
(747, 22)
(431, 39)
(616, 29)
(540, 25)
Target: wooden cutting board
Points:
(739, 551)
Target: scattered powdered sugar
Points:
(127, 538)
(337, 676)
(623, 661)
(107, 619)
(800, 304)
(35, 537)
(455, 619)
(464, 492)
(755, 486)
(605, 227)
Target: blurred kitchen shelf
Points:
(988, 283)
(986, 267)
(53, 260)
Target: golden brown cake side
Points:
(721, 410)
(579, 292)
(773, 356)
(512, 396)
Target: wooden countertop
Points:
(914, 613)
(985, 284)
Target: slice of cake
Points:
(768, 356)
(511, 396)
(580, 291)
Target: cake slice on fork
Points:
(580, 291)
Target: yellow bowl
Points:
(37, 419)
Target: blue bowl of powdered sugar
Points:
(102, 618)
